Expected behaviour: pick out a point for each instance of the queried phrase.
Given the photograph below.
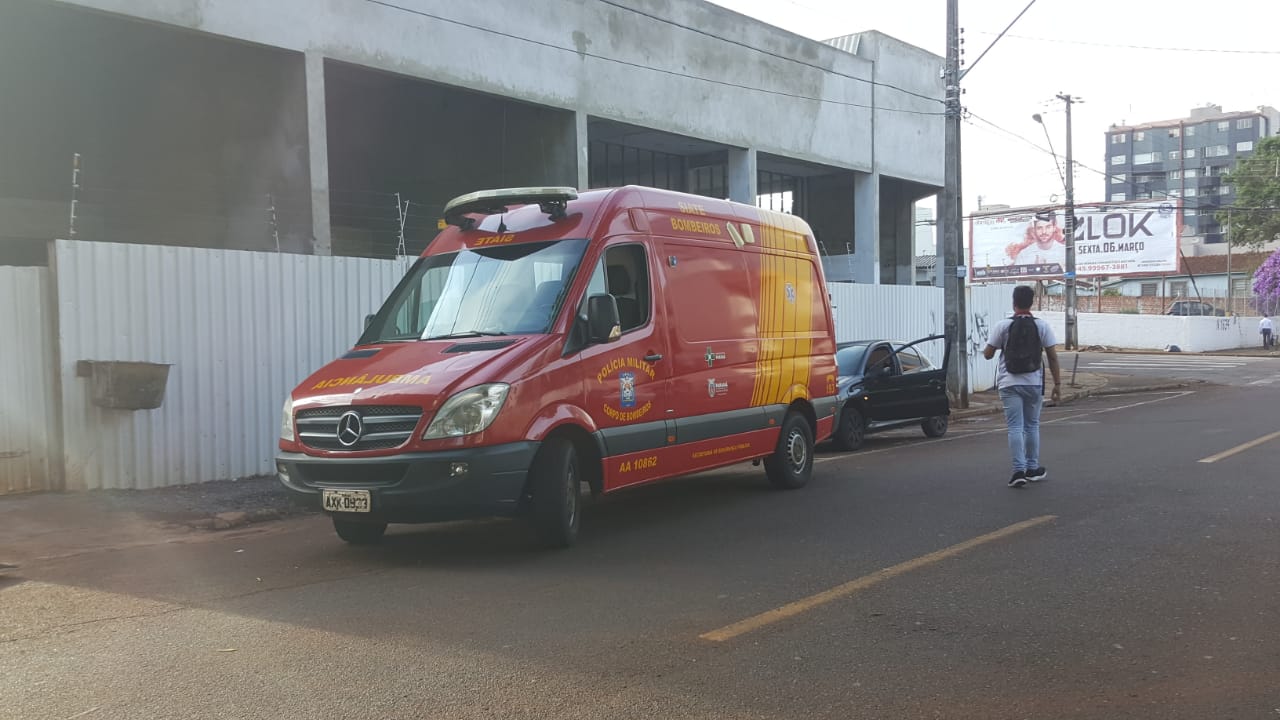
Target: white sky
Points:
(1020, 77)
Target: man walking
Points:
(1264, 327)
(1022, 340)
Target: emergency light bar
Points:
(552, 201)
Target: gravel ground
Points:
(203, 500)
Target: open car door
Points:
(917, 387)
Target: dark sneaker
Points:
(1038, 474)
(1018, 480)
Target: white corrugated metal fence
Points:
(240, 330)
(27, 420)
(906, 312)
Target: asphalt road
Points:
(1221, 369)
(1137, 582)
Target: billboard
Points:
(1112, 239)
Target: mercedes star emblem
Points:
(350, 428)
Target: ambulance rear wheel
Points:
(556, 479)
(791, 464)
(359, 533)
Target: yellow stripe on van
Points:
(785, 325)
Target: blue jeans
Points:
(1022, 415)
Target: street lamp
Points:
(1068, 184)
(1048, 139)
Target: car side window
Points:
(910, 361)
(879, 359)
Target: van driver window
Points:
(627, 280)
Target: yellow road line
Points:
(789, 610)
(1241, 448)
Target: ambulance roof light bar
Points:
(551, 200)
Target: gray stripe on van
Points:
(634, 438)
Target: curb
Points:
(1102, 392)
(1074, 396)
(1202, 353)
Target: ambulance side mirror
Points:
(603, 324)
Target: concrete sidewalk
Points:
(47, 526)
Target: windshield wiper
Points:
(464, 334)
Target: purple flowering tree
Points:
(1266, 283)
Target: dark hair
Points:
(1022, 297)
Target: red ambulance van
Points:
(548, 338)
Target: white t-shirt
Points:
(1033, 255)
(999, 335)
(1264, 324)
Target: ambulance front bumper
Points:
(416, 487)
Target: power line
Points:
(641, 66)
(993, 42)
(1157, 48)
(762, 51)
(1165, 193)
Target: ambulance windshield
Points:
(501, 290)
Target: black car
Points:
(1193, 307)
(886, 384)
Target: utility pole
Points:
(1073, 341)
(951, 221)
(1231, 296)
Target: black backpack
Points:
(1022, 349)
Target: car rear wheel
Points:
(791, 464)
(357, 532)
(556, 484)
(851, 431)
(935, 427)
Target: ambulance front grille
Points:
(380, 427)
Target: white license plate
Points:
(346, 500)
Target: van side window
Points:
(627, 280)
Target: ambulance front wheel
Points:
(791, 464)
(555, 479)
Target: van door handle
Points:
(654, 357)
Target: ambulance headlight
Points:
(468, 412)
(286, 421)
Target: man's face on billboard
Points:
(1043, 232)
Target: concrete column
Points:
(743, 178)
(318, 145)
(897, 259)
(866, 228)
(583, 145)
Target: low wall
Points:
(1157, 332)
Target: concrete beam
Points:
(318, 145)
(743, 176)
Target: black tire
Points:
(791, 464)
(555, 480)
(852, 430)
(935, 427)
(356, 532)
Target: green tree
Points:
(1255, 218)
